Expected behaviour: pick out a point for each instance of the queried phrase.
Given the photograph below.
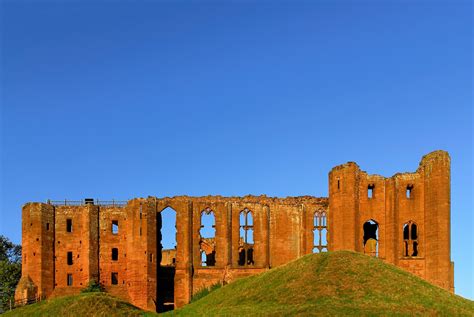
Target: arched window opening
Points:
(207, 243)
(167, 235)
(246, 238)
(410, 239)
(320, 232)
(371, 240)
(165, 258)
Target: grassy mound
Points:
(86, 304)
(335, 283)
(330, 284)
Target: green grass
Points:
(85, 304)
(330, 284)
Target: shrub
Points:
(92, 287)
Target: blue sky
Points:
(123, 99)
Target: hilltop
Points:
(333, 283)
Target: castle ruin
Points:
(403, 220)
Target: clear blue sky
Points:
(123, 99)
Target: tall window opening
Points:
(246, 238)
(370, 191)
(114, 278)
(69, 258)
(207, 242)
(69, 279)
(114, 254)
(68, 225)
(409, 191)
(165, 259)
(371, 238)
(320, 230)
(410, 239)
(115, 227)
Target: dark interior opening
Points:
(114, 254)
(165, 264)
(371, 241)
(370, 230)
(69, 225)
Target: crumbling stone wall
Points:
(422, 198)
(119, 245)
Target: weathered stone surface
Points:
(428, 206)
(282, 231)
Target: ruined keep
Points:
(403, 220)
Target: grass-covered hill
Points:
(86, 304)
(332, 284)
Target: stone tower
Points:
(404, 219)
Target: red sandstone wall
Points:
(283, 231)
(428, 206)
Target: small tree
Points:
(10, 270)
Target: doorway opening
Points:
(166, 245)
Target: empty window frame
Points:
(114, 278)
(371, 238)
(320, 231)
(409, 191)
(410, 239)
(114, 254)
(207, 242)
(115, 227)
(68, 225)
(69, 258)
(246, 254)
(69, 279)
(370, 191)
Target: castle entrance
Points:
(166, 261)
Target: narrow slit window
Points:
(114, 278)
(338, 184)
(69, 258)
(370, 191)
(47, 226)
(69, 225)
(114, 254)
(69, 279)
(115, 227)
